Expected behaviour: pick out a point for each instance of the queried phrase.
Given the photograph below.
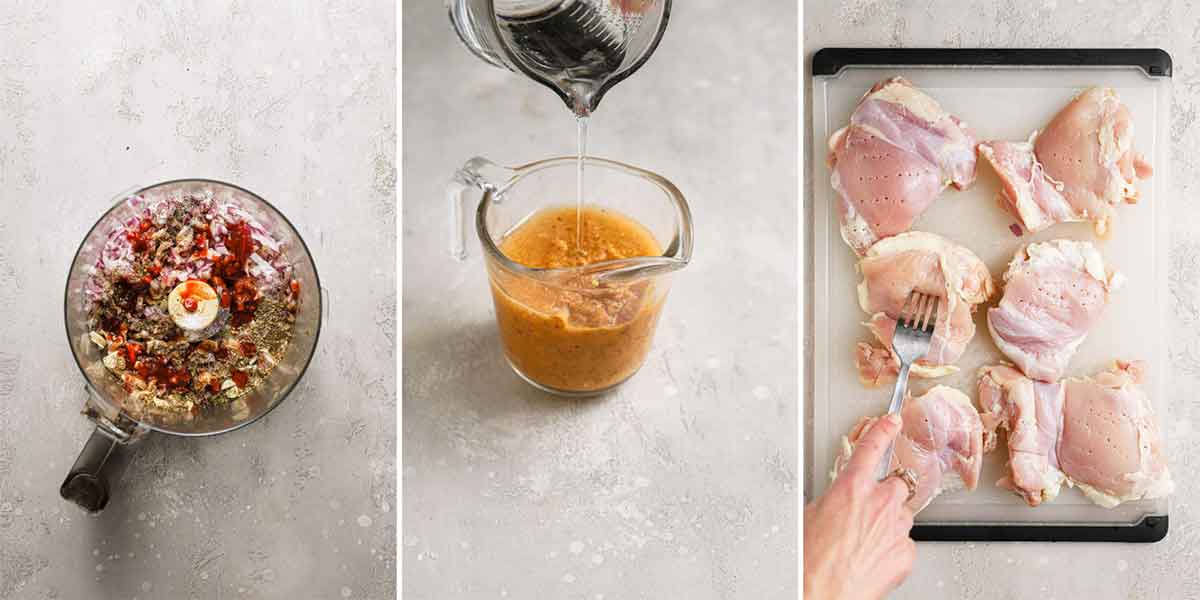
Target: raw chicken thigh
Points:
(1096, 433)
(927, 263)
(900, 150)
(941, 440)
(1078, 168)
(1031, 411)
(1054, 292)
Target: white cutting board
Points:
(999, 103)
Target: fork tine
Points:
(931, 316)
(930, 312)
(924, 304)
(922, 300)
(905, 311)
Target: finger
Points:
(869, 449)
(906, 517)
(896, 520)
(894, 492)
(903, 522)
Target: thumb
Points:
(869, 448)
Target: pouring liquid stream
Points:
(582, 125)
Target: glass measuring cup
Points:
(578, 48)
(86, 484)
(576, 331)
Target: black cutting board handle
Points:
(1148, 530)
(1155, 62)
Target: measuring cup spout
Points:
(477, 175)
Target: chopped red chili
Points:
(245, 294)
(240, 378)
(218, 285)
(140, 239)
(151, 367)
(178, 378)
(240, 246)
(148, 366)
(132, 349)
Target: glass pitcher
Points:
(86, 483)
(578, 48)
(576, 331)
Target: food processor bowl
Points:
(114, 425)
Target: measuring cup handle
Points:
(478, 175)
(458, 195)
(86, 484)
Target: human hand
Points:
(856, 544)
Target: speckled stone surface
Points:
(297, 104)
(683, 483)
(1001, 571)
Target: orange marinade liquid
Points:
(575, 335)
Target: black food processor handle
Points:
(86, 484)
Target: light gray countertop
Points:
(1008, 570)
(683, 483)
(296, 104)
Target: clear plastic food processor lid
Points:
(192, 308)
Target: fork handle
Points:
(897, 402)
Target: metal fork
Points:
(914, 330)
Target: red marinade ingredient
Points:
(240, 378)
